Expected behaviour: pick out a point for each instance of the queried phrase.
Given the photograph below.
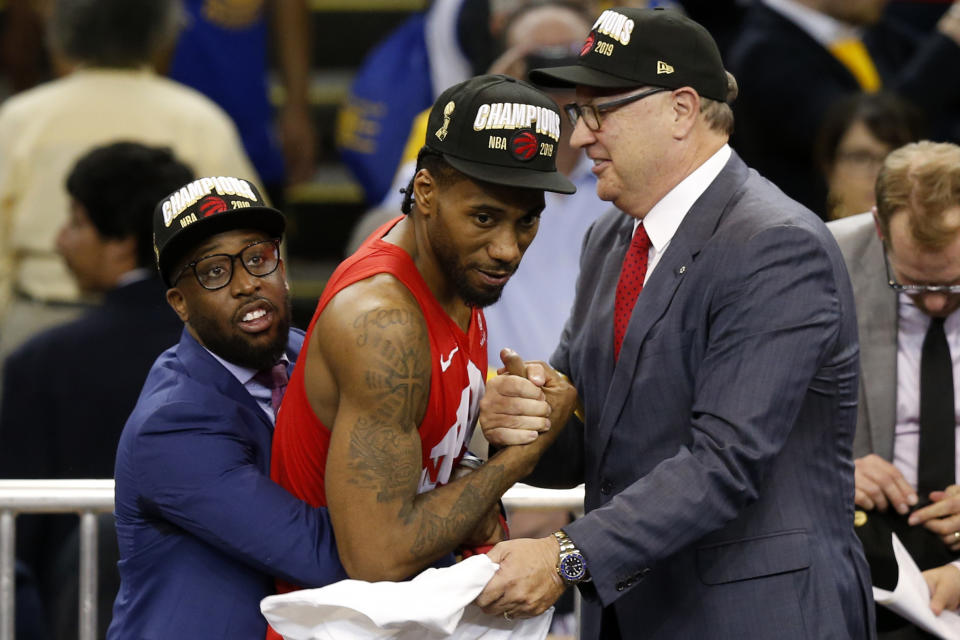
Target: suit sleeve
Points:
(196, 470)
(774, 315)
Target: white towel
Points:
(435, 604)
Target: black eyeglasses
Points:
(591, 112)
(916, 289)
(216, 271)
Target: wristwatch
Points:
(571, 565)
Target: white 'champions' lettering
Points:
(187, 195)
(440, 464)
(616, 25)
(514, 115)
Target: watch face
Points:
(572, 567)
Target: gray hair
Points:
(718, 115)
(113, 33)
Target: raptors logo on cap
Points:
(211, 205)
(588, 44)
(523, 145)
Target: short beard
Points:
(470, 295)
(236, 349)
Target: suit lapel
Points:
(601, 340)
(877, 320)
(203, 367)
(658, 292)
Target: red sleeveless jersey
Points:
(459, 362)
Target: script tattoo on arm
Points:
(396, 354)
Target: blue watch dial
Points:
(573, 567)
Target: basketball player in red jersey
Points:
(384, 399)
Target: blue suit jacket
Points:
(201, 527)
(716, 451)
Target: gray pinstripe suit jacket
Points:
(717, 451)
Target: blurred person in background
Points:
(111, 95)
(68, 390)
(223, 52)
(794, 58)
(904, 263)
(858, 132)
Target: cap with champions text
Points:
(501, 130)
(629, 48)
(205, 207)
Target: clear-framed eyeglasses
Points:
(591, 112)
(215, 271)
(916, 289)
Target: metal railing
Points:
(87, 498)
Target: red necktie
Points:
(629, 285)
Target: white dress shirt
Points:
(663, 220)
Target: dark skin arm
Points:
(291, 28)
(368, 375)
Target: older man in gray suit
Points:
(905, 445)
(713, 342)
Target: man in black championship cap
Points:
(202, 530)
(382, 404)
(714, 346)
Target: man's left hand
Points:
(527, 583)
(942, 517)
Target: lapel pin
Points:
(682, 270)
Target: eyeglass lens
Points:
(259, 259)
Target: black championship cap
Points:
(629, 48)
(498, 129)
(204, 208)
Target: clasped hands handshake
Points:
(523, 403)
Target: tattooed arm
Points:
(368, 375)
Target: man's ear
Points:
(686, 111)
(282, 268)
(876, 222)
(425, 192)
(178, 303)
